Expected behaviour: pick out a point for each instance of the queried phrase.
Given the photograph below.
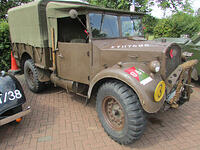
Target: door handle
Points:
(60, 55)
(133, 56)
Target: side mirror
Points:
(73, 13)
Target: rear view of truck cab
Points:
(100, 52)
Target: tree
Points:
(187, 8)
(176, 25)
(145, 5)
(198, 12)
(7, 4)
(4, 46)
(141, 5)
(174, 5)
(149, 23)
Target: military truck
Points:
(102, 53)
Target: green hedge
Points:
(149, 22)
(176, 25)
(5, 47)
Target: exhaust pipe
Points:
(66, 84)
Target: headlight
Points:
(154, 66)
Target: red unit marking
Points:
(133, 73)
(171, 53)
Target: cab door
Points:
(73, 61)
(73, 55)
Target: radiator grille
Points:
(173, 59)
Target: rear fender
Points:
(145, 91)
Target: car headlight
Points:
(154, 66)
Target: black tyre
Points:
(120, 112)
(31, 76)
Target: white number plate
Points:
(10, 96)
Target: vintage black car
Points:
(11, 99)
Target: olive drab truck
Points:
(99, 52)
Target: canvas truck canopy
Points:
(28, 23)
(31, 23)
(24, 25)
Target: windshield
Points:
(131, 26)
(107, 26)
(104, 26)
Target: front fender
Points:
(144, 92)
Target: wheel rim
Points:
(113, 113)
(30, 76)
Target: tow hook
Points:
(184, 97)
(189, 85)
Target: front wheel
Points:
(120, 112)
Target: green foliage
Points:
(174, 5)
(141, 5)
(149, 22)
(187, 7)
(163, 29)
(176, 25)
(144, 5)
(4, 46)
(198, 12)
(115, 4)
(7, 4)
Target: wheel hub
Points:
(30, 76)
(113, 113)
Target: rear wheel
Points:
(120, 112)
(31, 76)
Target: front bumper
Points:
(178, 84)
(15, 116)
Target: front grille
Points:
(173, 59)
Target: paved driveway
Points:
(61, 121)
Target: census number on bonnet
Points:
(10, 96)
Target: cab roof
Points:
(82, 4)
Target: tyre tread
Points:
(133, 108)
